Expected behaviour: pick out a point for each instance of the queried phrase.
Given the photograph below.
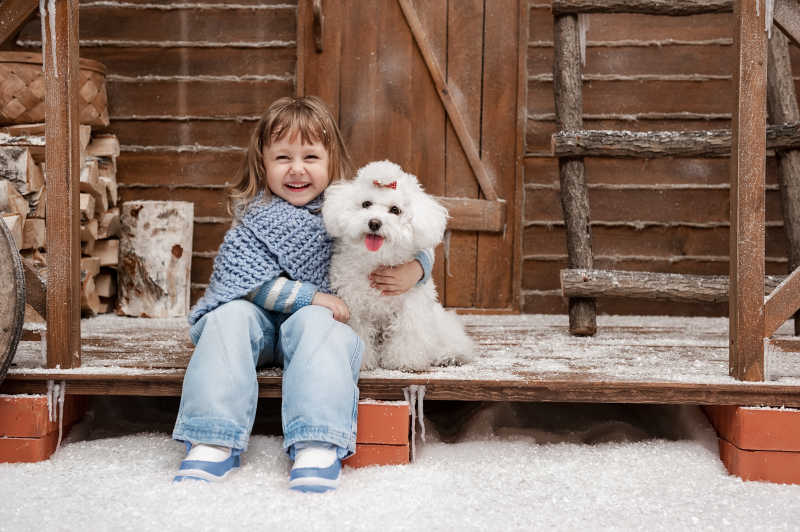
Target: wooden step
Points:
(646, 7)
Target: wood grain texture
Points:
(748, 151)
(14, 13)
(787, 17)
(649, 7)
(62, 152)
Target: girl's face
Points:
(296, 172)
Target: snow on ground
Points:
(504, 467)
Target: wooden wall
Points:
(665, 215)
(187, 82)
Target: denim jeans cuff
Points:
(345, 443)
(212, 432)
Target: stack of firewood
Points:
(23, 194)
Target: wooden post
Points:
(782, 106)
(567, 73)
(748, 166)
(62, 152)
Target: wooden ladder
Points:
(753, 317)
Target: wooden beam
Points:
(787, 17)
(678, 287)
(747, 167)
(782, 303)
(568, 94)
(475, 215)
(444, 91)
(652, 144)
(62, 152)
(13, 13)
(646, 7)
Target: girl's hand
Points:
(336, 305)
(396, 280)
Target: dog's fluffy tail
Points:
(458, 347)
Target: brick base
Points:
(758, 443)
(383, 434)
(26, 432)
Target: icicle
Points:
(447, 253)
(62, 388)
(43, 345)
(768, 13)
(414, 395)
(758, 8)
(583, 25)
(43, 18)
(51, 8)
(50, 402)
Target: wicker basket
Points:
(22, 90)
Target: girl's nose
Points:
(297, 166)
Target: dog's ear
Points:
(333, 207)
(429, 219)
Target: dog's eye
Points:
(394, 209)
(367, 204)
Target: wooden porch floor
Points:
(522, 358)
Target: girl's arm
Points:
(283, 295)
(396, 280)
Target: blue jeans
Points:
(321, 358)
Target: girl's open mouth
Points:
(297, 186)
(373, 242)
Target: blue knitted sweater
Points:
(270, 239)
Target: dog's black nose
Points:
(374, 224)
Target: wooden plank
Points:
(787, 17)
(498, 148)
(13, 13)
(62, 151)
(747, 196)
(648, 7)
(454, 111)
(650, 285)
(464, 58)
(781, 303)
(475, 215)
(716, 143)
(782, 108)
(567, 88)
(320, 74)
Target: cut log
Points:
(108, 224)
(87, 207)
(35, 141)
(644, 7)
(653, 286)
(156, 255)
(33, 234)
(89, 230)
(11, 201)
(35, 286)
(110, 186)
(651, 144)
(14, 223)
(105, 283)
(17, 165)
(90, 184)
(87, 247)
(107, 251)
(38, 204)
(90, 266)
(30, 130)
(108, 167)
(103, 145)
(90, 301)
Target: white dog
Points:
(384, 217)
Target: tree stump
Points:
(155, 258)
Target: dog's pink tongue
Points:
(373, 242)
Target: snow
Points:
(510, 467)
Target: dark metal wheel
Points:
(12, 298)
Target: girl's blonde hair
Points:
(308, 116)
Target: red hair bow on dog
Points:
(392, 185)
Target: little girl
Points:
(268, 304)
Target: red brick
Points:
(782, 467)
(28, 449)
(383, 422)
(375, 454)
(757, 429)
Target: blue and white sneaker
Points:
(316, 469)
(209, 463)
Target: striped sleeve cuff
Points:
(283, 295)
(425, 258)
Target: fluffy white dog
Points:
(384, 217)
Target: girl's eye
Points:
(367, 204)
(282, 157)
(311, 157)
(394, 209)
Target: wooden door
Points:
(438, 87)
